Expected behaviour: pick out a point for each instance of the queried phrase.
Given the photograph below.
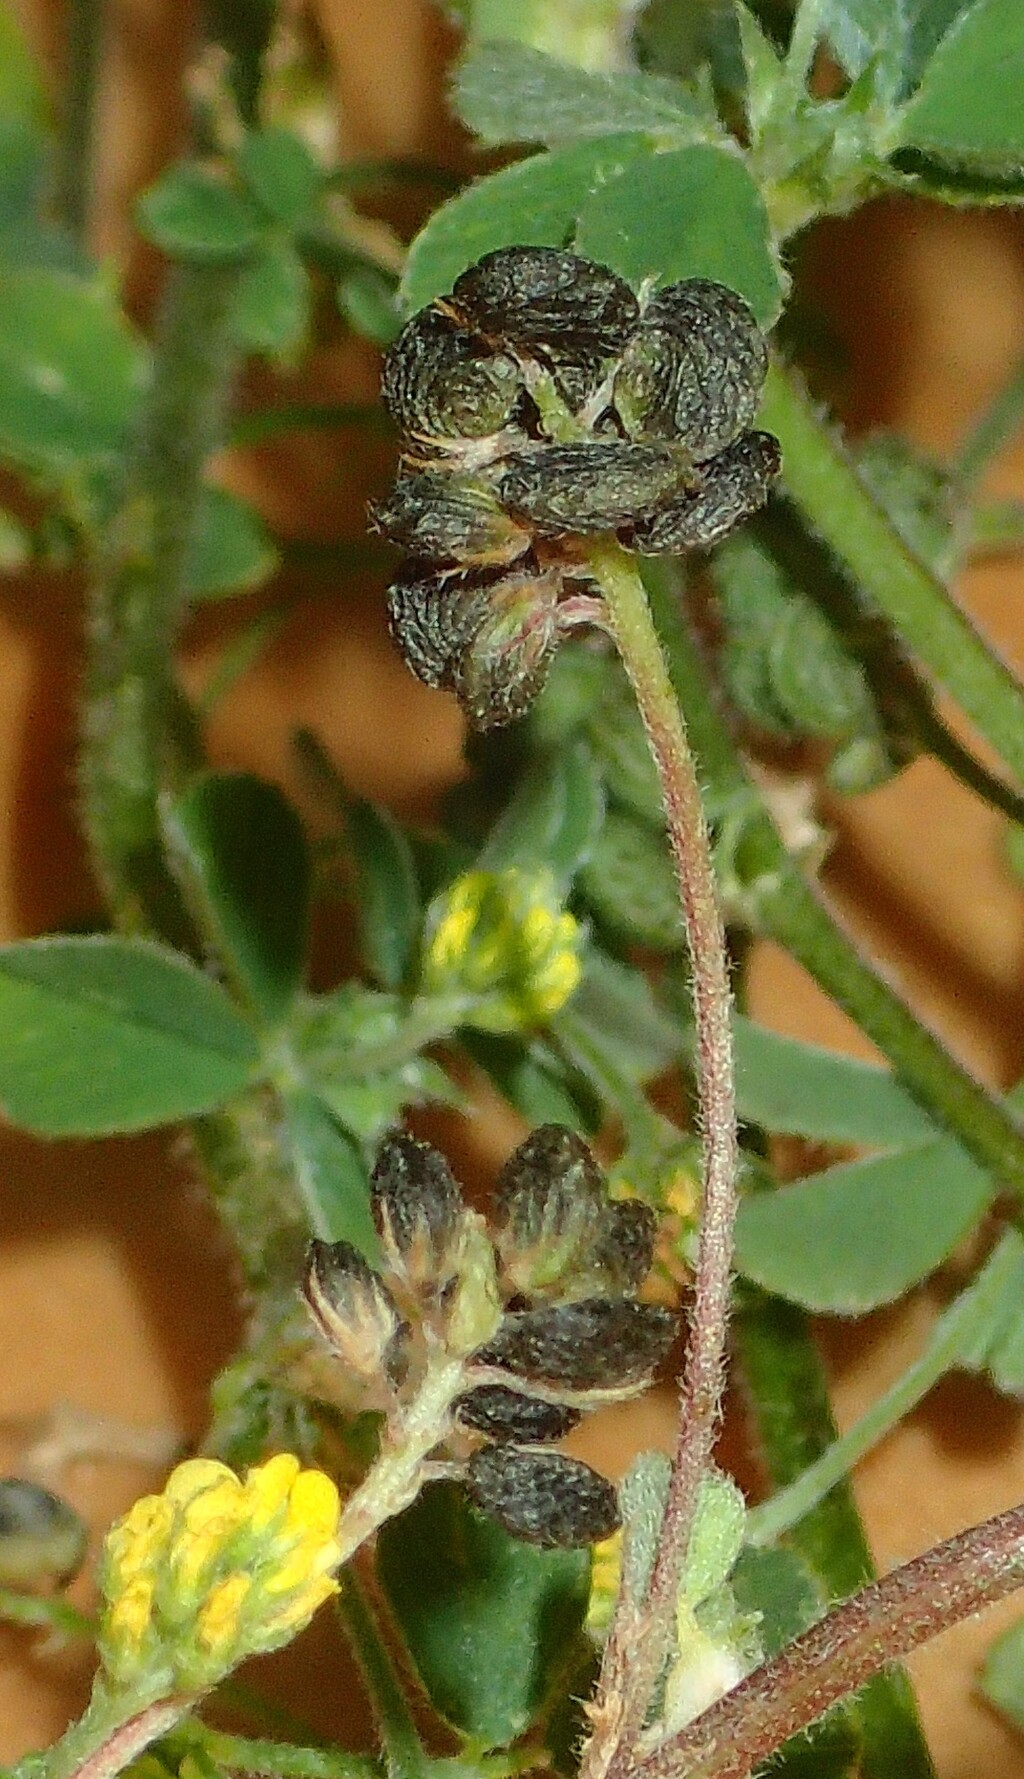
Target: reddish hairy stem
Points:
(638, 1641)
(879, 1625)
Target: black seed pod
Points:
(42, 1539)
(543, 296)
(593, 486)
(353, 1310)
(625, 1246)
(542, 1497)
(432, 617)
(416, 1206)
(693, 370)
(449, 518)
(437, 382)
(549, 1201)
(505, 662)
(507, 1414)
(598, 1343)
(737, 483)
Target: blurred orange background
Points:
(116, 1292)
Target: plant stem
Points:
(404, 1753)
(994, 429)
(838, 507)
(104, 1741)
(628, 1675)
(881, 1624)
(73, 173)
(131, 708)
(38, 1613)
(955, 1334)
(284, 1760)
(782, 905)
(791, 1418)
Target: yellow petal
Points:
(218, 1622)
(196, 1474)
(129, 1617)
(267, 1488)
(313, 1505)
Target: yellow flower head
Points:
(215, 1569)
(501, 940)
(605, 1575)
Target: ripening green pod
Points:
(505, 1414)
(736, 484)
(549, 1199)
(439, 384)
(449, 518)
(601, 1344)
(544, 296)
(417, 1208)
(42, 1540)
(694, 369)
(542, 1497)
(354, 1311)
(591, 486)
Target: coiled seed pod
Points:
(488, 638)
(438, 383)
(736, 485)
(544, 296)
(598, 1343)
(416, 1206)
(591, 486)
(449, 518)
(542, 1497)
(354, 1310)
(694, 369)
(505, 1414)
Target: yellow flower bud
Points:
(605, 1575)
(218, 1622)
(501, 941)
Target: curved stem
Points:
(881, 1624)
(104, 1741)
(785, 907)
(634, 1654)
(844, 514)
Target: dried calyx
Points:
(540, 403)
(535, 1323)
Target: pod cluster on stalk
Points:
(542, 403)
(512, 1330)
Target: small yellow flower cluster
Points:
(605, 1576)
(215, 1569)
(501, 940)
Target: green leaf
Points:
(357, 1050)
(901, 35)
(778, 1585)
(861, 1234)
(786, 1085)
(70, 372)
(629, 883)
(536, 203)
(192, 214)
(388, 906)
(243, 849)
(534, 1080)
(552, 821)
(104, 1035)
(332, 1175)
(271, 309)
(281, 175)
(968, 108)
(692, 213)
(614, 1018)
(1002, 1677)
(366, 298)
(489, 1622)
(996, 1345)
(508, 92)
(231, 551)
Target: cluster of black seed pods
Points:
(540, 403)
(535, 1316)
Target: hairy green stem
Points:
(73, 172)
(791, 1421)
(954, 1335)
(133, 714)
(404, 1753)
(283, 1760)
(103, 1742)
(632, 1661)
(782, 905)
(994, 429)
(839, 508)
(881, 1624)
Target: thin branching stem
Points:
(629, 1674)
(881, 1624)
